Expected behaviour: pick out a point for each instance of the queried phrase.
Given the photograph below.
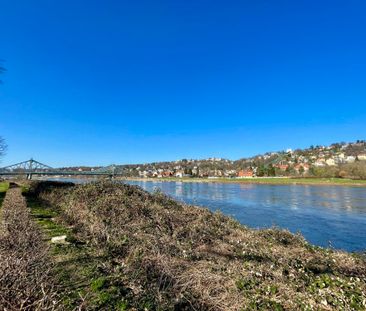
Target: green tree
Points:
(261, 171)
(301, 170)
(271, 170)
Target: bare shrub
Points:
(25, 270)
(180, 257)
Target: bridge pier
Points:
(29, 176)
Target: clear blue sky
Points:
(100, 82)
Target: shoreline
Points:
(262, 181)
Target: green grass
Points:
(45, 217)
(4, 186)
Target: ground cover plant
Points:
(141, 251)
(3, 187)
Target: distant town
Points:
(345, 160)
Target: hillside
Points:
(344, 160)
(127, 249)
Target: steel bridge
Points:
(33, 167)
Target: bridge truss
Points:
(27, 166)
(33, 167)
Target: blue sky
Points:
(100, 82)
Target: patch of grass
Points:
(45, 217)
(4, 186)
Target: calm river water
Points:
(325, 215)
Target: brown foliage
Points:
(186, 258)
(25, 281)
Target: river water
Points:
(328, 216)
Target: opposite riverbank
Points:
(265, 180)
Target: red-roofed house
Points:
(245, 173)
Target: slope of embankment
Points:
(153, 253)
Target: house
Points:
(330, 162)
(167, 174)
(179, 174)
(282, 167)
(320, 162)
(245, 173)
(305, 167)
(350, 159)
(362, 156)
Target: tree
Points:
(301, 170)
(3, 147)
(271, 170)
(261, 170)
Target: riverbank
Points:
(265, 180)
(127, 249)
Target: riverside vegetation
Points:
(127, 249)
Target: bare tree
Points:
(3, 147)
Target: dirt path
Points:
(25, 271)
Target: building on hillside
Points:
(282, 167)
(362, 156)
(167, 174)
(305, 167)
(195, 171)
(320, 162)
(350, 159)
(330, 162)
(230, 173)
(179, 174)
(245, 173)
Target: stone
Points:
(59, 239)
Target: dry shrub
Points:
(186, 258)
(25, 278)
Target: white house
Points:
(350, 159)
(330, 162)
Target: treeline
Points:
(356, 170)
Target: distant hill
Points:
(337, 160)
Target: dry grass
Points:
(25, 280)
(170, 256)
